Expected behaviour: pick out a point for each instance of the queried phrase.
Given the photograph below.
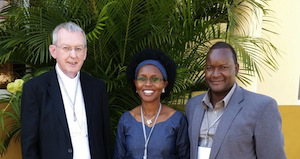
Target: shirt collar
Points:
(206, 100)
(65, 79)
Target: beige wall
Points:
(283, 85)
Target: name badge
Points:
(203, 152)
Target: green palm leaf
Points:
(117, 29)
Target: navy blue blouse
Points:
(169, 139)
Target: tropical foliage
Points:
(117, 29)
(11, 112)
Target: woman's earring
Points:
(163, 90)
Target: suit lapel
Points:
(230, 112)
(56, 99)
(197, 120)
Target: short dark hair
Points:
(153, 54)
(224, 45)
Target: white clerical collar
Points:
(69, 83)
(64, 77)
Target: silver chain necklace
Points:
(75, 95)
(149, 121)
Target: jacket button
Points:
(70, 150)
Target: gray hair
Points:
(69, 26)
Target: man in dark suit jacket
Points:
(64, 112)
(229, 122)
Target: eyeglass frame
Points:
(68, 49)
(153, 80)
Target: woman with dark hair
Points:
(152, 130)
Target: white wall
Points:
(2, 3)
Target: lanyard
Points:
(144, 130)
(210, 126)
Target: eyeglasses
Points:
(153, 80)
(77, 49)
